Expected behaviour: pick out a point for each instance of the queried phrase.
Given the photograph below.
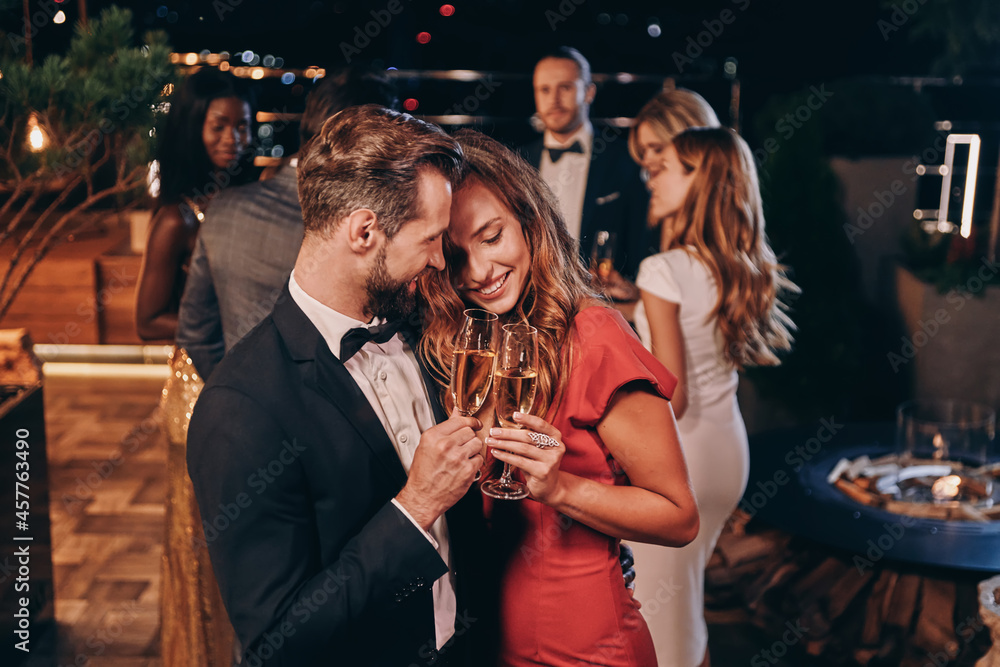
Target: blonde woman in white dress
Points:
(710, 306)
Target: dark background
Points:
(896, 67)
(780, 46)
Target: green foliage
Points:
(804, 225)
(95, 103)
(946, 261)
(967, 33)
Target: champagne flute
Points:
(472, 365)
(603, 253)
(514, 387)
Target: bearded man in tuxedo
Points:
(335, 486)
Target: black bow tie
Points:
(356, 338)
(556, 153)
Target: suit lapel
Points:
(533, 153)
(325, 373)
(595, 179)
(412, 338)
(336, 383)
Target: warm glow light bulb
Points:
(60, 17)
(36, 139)
(36, 136)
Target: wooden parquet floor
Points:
(107, 474)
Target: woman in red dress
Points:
(617, 471)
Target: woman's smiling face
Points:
(493, 263)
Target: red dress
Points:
(562, 599)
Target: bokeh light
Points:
(423, 37)
(411, 104)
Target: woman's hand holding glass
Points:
(536, 449)
(514, 389)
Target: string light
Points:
(60, 17)
(411, 104)
(251, 68)
(447, 10)
(423, 37)
(36, 136)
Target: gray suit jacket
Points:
(246, 248)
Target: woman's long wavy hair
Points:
(557, 282)
(723, 219)
(668, 114)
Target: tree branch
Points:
(135, 178)
(27, 206)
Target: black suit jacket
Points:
(294, 474)
(615, 199)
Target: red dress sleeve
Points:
(607, 355)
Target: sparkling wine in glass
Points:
(514, 386)
(603, 253)
(472, 365)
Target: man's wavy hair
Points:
(370, 157)
(557, 283)
(723, 219)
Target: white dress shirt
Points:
(568, 176)
(389, 377)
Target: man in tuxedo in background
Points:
(251, 235)
(315, 449)
(594, 178)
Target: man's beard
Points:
(386, 297)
